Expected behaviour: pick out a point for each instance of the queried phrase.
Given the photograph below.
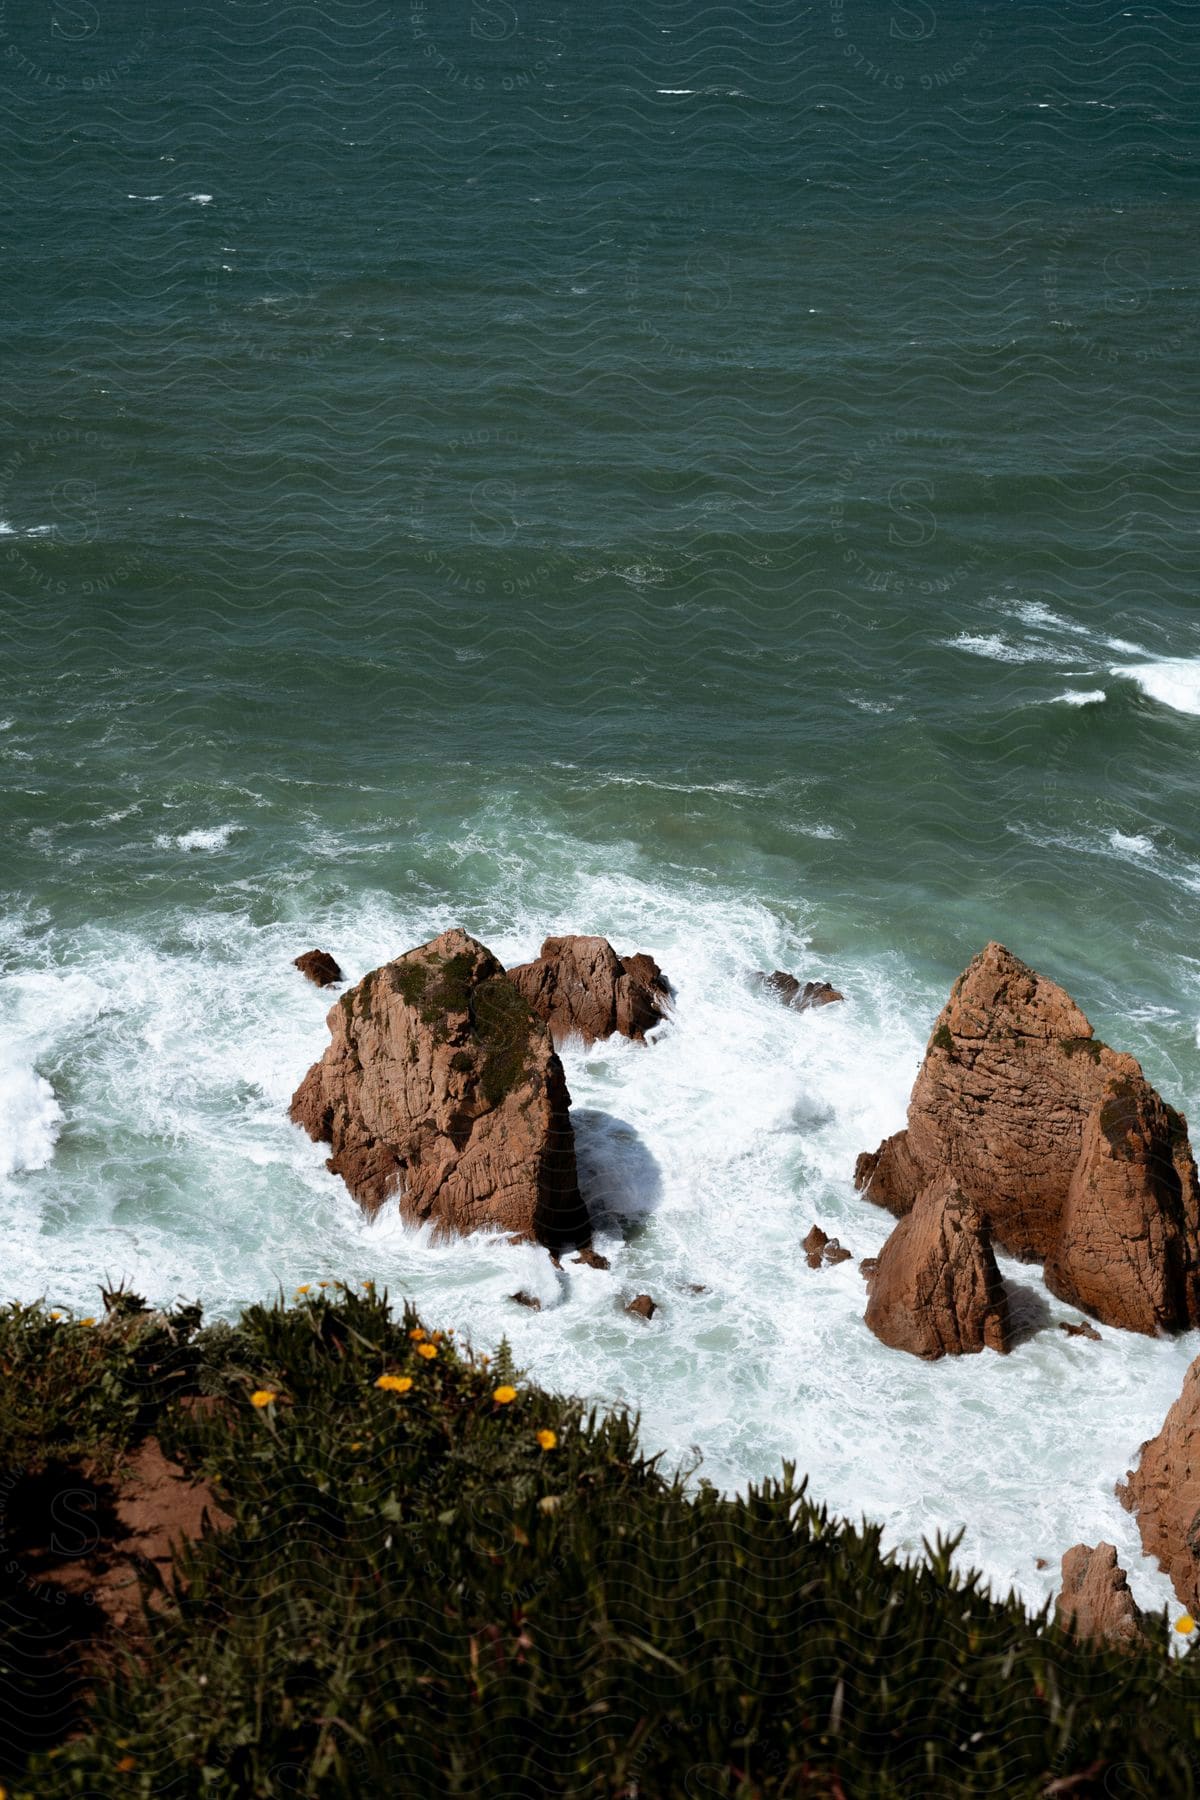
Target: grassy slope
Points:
(417, 1598)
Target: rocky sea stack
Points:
(1164, 1492)
(1069, 1154)
(442, 1089)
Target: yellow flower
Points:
(395, 1384)
(56, 1315)
(548, 1439)
(418, 1334)
(263, 1397)
(368, 1284)
(82, 1322)
(322, 1284)
(428, 1351)
(357, 1445)
(304, 1289)
(504, 1395)
(1185, 1624)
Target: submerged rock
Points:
(794, 994)
(1095, 1601)
(319, 966)
(582, 988)
(440, 1089)
(1164, 1492)
(820, 1248)
(643, 1307)
(1069, 1154)
(936, 1290)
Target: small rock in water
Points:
(591, 1259)
(1039, 1562)
(868, 1266)
(1081, 1329)
(521, 1298)
(820, 1248)
(793, 993)
(320, 967)
(643, 1307)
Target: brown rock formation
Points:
(1063, 1145)
(1127, 1244)
(442, 1089)
(820, 1248)
(1080, 1328)
(937, 1290)
(582, 988)
(1095, 1601)
(1164, 1492)
(788, 989)
(320, 967)
(643, 1307)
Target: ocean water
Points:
(722, 479)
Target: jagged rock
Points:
(937, 1290)
(442, 1090)
(1164, 1492)
(800, 997)
(521, 1298)
(582, 988)
(820, 1248)
(1061, 1142)
(1095, 1601)
(868, 1268)
(1080, 1328)
(643, 1307)
(320, 967)
(591, 1259)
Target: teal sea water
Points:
(725, 478)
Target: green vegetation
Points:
(440, 1580)
(502, 1022)
(943, 1039)
(1082, 1046)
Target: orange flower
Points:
(428, 1351)
(125, 1764)
(548, 1439)
(504, 1395)
(417, 1334)
(395, 1384)
(263, 1397)
(303, 1289)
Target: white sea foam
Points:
(211, 837)
(201, 199)
(1136, 845)
(7, 530)
(998, 649)
(706, 1155)
(1081, 697)
(30, 1119)
(1173, 682)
